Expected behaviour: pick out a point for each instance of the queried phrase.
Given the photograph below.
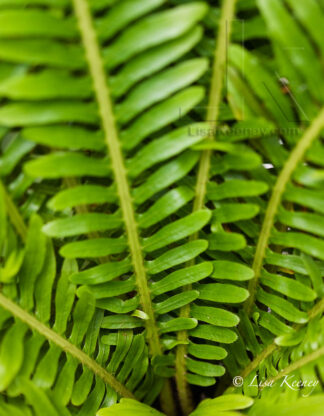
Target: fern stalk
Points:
(297, 365)
(214, 102)
(316, 310)
(65, 345)
(284, 177)
(102, 93)
(215, 97)
(42, 329)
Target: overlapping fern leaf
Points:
(168, 160)
(155, 196)
(52, 358)
(124, 188)
(227, 187)
(287, 252)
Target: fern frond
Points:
(142, 98)
(220, 186)
(161, 220)
(59, 342)
(288, 256)
(219, 406)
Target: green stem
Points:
(101, 89)
(14, 214)
(316, 310)
(296, 365)
(215, 98)
(292, 162)
(65, 345)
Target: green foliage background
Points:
(161, 207)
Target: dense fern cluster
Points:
(161, 207)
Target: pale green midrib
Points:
(102, 93)
(215, 97)
(290, 165)
(64, 344)
(14, 214)
(214, 101)
(111, 136)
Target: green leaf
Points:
(81, 195)
(164, 84)
(121, 322)
(128, 407)
(288, 287)
(308, 244)
(153, 60)
(235, 188)
(57, 165)
(122, 14)
(161, 115)
(82, 224)
(102, 273)
(164, 148)
(165, 176)
(11, 354)
(23, 114)
(178, 324)
(65, 137)
(288, 340)
(42, 51)
(226, 241)
(177, 230)
(177, 256)
(227, 213)
(218, 292)
(205, 369)
(214, 316)
(282, 307)
(213, 333)
(152, 31)
(228, 270)
(223, 403)
(16, 23)
(207, 352)
(176, 301)
(181, 278)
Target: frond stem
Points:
(215, 98)
(65, 345)
(296, 365)
(290, 165)
(316, 310)
(102, 93)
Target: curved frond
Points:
(286, 291)
(126, 186)
(57, 349)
